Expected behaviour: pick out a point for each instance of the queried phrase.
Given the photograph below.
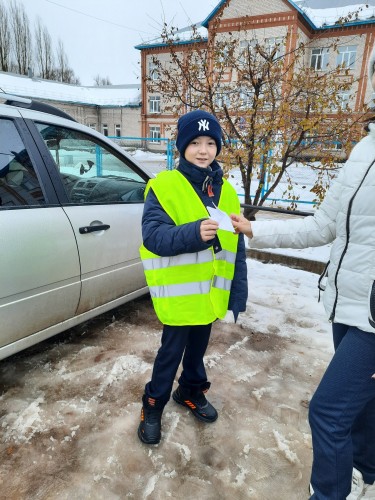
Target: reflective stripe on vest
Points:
(220, 282)
(199, 287)
(191, 288)
(226, 255)
(178, 260)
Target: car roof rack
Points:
(22, 102)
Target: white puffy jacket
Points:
(346, 217)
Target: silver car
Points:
(71, 203)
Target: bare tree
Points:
(63, 72)
(272, 107)
(22, 40)
(5, 39)
(62, 61)
(101, 80)
(44, 51)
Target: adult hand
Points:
(208, 229)
(241, 225)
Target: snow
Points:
(115, 95)
(330, 16)
(71, 405)
(179, 35)
(303, 178)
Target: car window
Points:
(19, 185)
(91, 173)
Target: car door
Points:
(39, 266)
(104, 202)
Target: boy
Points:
(195, 271)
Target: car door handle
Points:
(91, 229)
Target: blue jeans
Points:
(186, 343)
(342, 416)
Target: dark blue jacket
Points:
(162, 237)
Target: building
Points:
(114, 110)
(270, 21)
(133, 111)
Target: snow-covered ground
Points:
(70, 407)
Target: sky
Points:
(99, 36)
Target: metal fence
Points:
(149, 144)
(168, 148)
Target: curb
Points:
(312, 266)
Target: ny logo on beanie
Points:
(203, 125)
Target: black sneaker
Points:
(196, 401)
(149, 430)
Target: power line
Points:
(98, 18)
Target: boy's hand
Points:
(208, 229)
(241, 225)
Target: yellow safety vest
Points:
(190, 288)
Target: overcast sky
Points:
(99, 35)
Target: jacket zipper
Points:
(372, 306)
(332, 316)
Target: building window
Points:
(153, 71)
(222, 56)
(275, 42)
(246, 98)
(92, 125)
(246, 47)
(118, 130)
(319, 58)
(344, 99)
(155, 134)
(154, 104)
(346, 56)
(105, 129)
(222, 99)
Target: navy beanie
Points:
(193, 125)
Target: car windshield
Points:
(80, 158)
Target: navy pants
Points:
(342, 416)
(186, 343)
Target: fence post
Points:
(266, 180)
(99, 165)
(170, 163)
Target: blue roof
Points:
(150, 45)
(213, 13)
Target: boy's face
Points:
(201, 151)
